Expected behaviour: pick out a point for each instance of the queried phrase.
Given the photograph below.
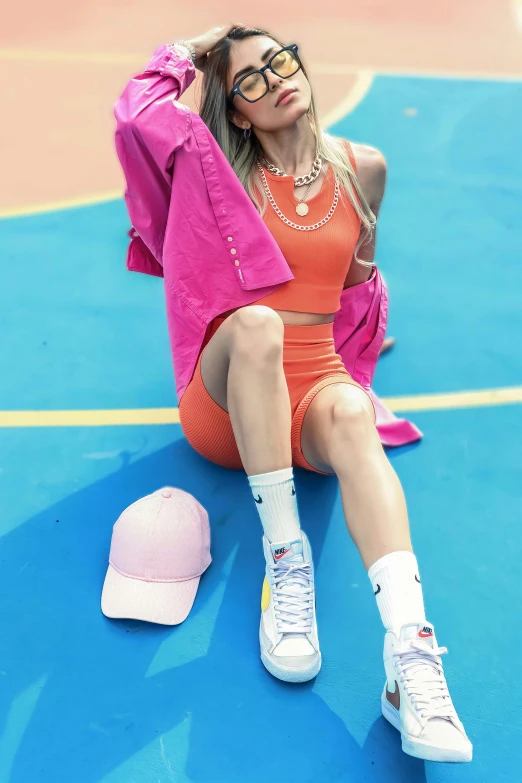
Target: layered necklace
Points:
(301, 207)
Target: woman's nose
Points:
(273, 80)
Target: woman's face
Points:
(266, 114)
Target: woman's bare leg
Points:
(242, 370)
(339, 435)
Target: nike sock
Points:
(396, 584)
(276, 503)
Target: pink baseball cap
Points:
(160, 547)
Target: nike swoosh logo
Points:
(417, 579)
(425, 635)
(278, 557)
(395, 697)
(293, 490)
(378, 590)
(260, 499)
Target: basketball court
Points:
(88, 412)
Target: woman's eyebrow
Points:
(252, 67)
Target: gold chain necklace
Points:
(305, 179)
(285, 219)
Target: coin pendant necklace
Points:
(302, 208)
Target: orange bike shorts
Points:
(310, 363)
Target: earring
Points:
(246, 133)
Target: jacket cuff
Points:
(168, 61)
(139, 257)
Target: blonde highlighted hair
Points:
(242, 154)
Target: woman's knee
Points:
(351, 417)
(257, 332)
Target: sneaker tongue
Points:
(287, 552)
(423, 632)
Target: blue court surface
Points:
(87, 700)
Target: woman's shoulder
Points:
(370, 166)
(368, 159)
(364, 154)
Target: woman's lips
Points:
(287, 98)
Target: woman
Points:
(274, 226)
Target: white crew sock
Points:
(276, 504)
(395, 580)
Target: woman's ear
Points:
(239, 121)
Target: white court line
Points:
(358, 92)
(414, 73)
(517, 13)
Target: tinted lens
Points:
(285, 64)
(253, 86)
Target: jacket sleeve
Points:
(150, 126)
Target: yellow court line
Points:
(360, 89)
(454, 400)
(57, 206)
(110, 418)
(88, 58)
(357, 93)
(92, 418)
(130, 58)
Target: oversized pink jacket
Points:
(195, 226)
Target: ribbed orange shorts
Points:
(310, 363)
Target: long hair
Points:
(242, 153)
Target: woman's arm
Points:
(150, 126)
(371, 173)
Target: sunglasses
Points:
(254, 85)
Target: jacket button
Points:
(237, 262)
(233, 251)
(229, 239)
(135, 234)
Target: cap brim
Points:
(167, 603)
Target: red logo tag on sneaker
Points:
(279, 553)
(425, 632)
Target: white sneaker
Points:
(288, 629)
(416, 699)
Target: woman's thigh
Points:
(245, 329)
(316, 430)
(215, 360)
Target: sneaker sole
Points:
(421, 750)
(290, 675)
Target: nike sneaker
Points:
(416, 699)
(288, 629)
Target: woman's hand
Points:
(203, 44)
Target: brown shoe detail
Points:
(395, 697)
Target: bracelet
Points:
(188, 47)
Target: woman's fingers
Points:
(204, 44)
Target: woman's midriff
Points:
(296, 319)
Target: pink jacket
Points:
(195, 226)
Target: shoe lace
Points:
(293, 597)
(420, 670)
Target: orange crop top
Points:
(319, 259)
